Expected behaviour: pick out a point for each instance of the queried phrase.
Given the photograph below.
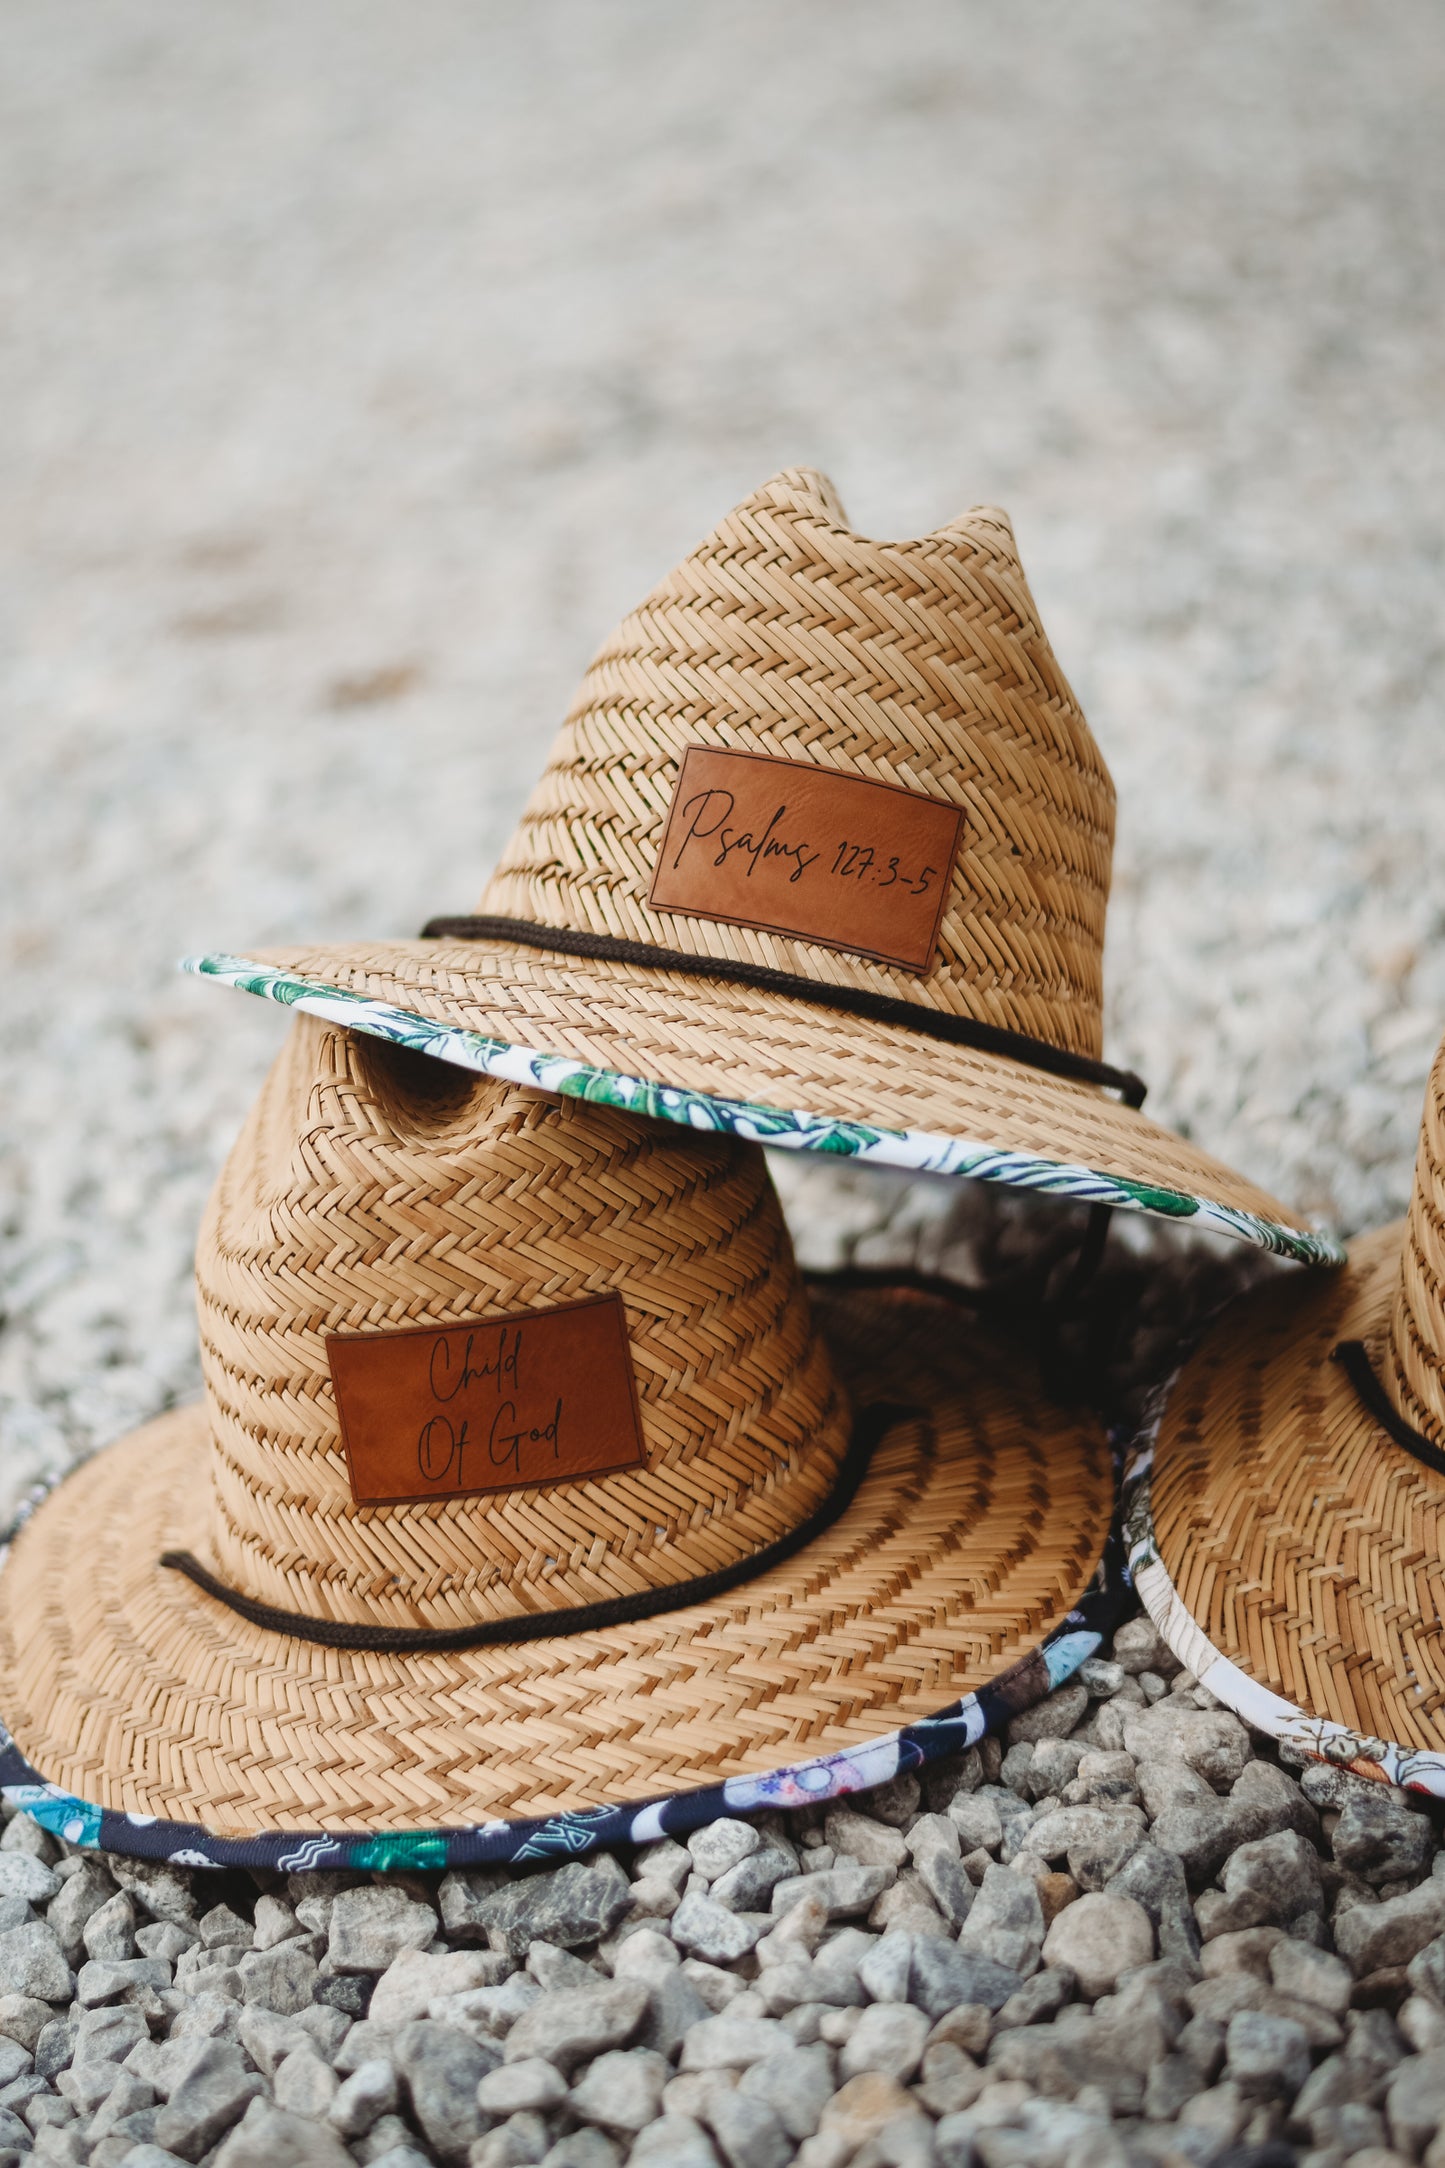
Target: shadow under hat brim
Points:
(1291, 1553)
(971, 1573)
(782, 1071)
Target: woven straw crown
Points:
(921, 664)
(371, 1189)
(1412, 1368)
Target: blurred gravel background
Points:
(361, 365)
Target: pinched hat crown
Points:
(951, 845)
(471, 1352)
(1414, 1366)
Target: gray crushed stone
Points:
(356, 378)
(1083, 1990)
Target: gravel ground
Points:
(1125, 1936)
(362, 365)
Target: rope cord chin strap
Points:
(868, 1428)
(966, 1031)
(1354, 1359)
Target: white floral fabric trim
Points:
(788, 1129)
(1314, 1738)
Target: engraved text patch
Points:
(786, 847)
(446, 1411)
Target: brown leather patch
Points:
(786, 847)
(499, 1403)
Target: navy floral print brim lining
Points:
(1099, 1610)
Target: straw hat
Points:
(1286, 1513)
(821, 856)
(525, 1485)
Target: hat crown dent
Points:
(919, 663)
(1414, 1368)
(372, 1189)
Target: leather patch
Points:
(499, 1403)
(785, 847)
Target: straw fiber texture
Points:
(918, 664)
(980, 1522)
(778, 1053)
(372, 1188)
(1307, 1544)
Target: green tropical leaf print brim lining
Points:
(915, 1150)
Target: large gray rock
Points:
(1267, 2057)
(748, 1887)
(622, 2090)
(280, 1979)
(1273, 1796)
(212, 2094)
(1095, 1841)
(110, 1931)
(461, 1897)
(1415, 2102)
(372, 1925)
(712, 1932)
(164, 1891)
(674, 2006)
(726, 2042)
(1155, 1879)
(365, 2096)
(1202, 1831)
(514, 2088)
(1273, 1880)
(1370, 1937)
(81, 1894)
(304, 2084)
(749, 2133)
(24, 1876)
(1005, 1922)
(858, 1836)
(105, 1982)
(675, 2141)
(719, 1846)
(1099, 1938)
(576, 1904)
(33, 1963)
(847, 1890)
(796, 2084)
(944, 1976)
(1314, 1975)
(440, 2070)
(1051, 1718)
(268, 2137)
(573, 2023)
(889, 2037)
(1379, 1837)
(1212, 1742)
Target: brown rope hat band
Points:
(868, 1429)
(1353, 1358)
(854, 1000)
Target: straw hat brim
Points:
(1290, 1552)
(780, 1070)
(962, 1583)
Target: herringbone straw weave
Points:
(1308, 1545)
(375, 1189)
(920, 664)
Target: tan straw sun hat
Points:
(526, 1494)
(821, 857)
(1285, 1513)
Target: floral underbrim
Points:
(1099, 1610)
(1315, 1738)
(918, 1151)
